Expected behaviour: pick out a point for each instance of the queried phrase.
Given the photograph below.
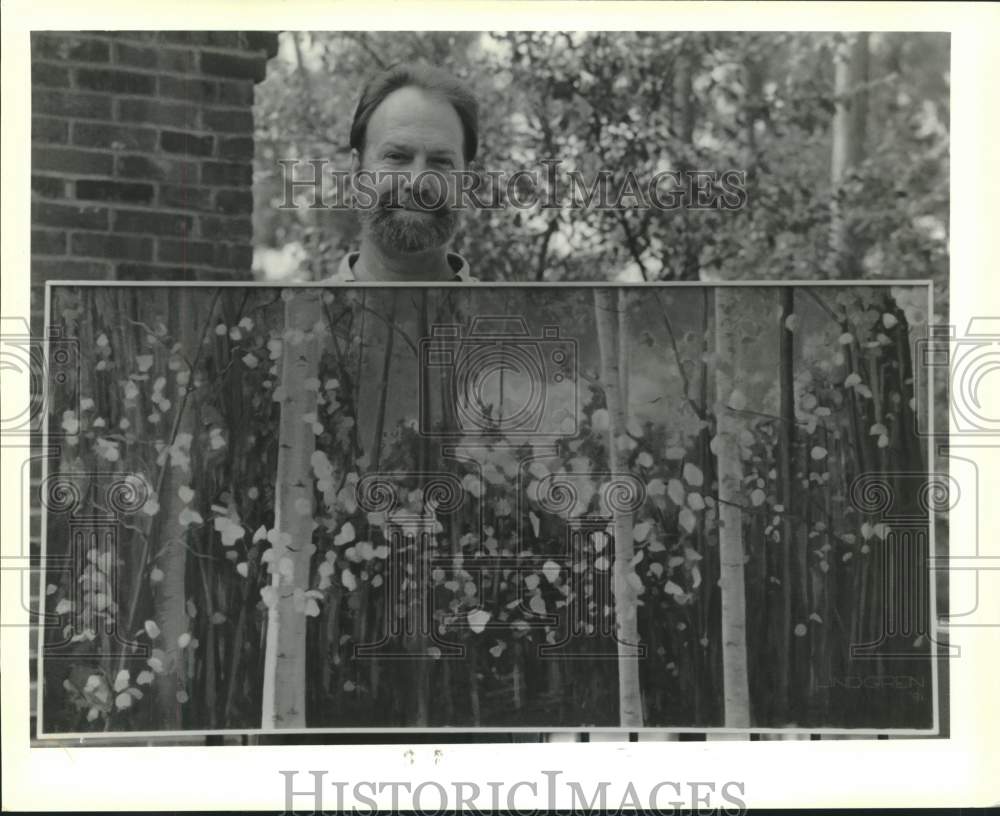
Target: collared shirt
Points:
(345, 272)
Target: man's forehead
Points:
(412, 114)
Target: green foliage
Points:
(640, 102)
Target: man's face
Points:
(412, 131)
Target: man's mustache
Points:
(438, 205)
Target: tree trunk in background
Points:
(786, 473)
(285, 651)
(170, 593)
(731, 551)
(606, 309)
(849, 123)
(684, 113)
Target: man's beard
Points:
(407, 231)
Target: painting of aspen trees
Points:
(547, 507)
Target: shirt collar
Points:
(345, 271)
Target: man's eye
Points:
(443, 162)
(394, 156)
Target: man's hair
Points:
(427, 78)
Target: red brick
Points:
(225, 228)
(234, 202)
(60, 46)
(45, 73)
(151, 222)
(126, 82)
(212, 39)
(191, 90)
(236, 147)
(60, 215)
(108, 245)
(157, 168)
(233, 65)
(228, 121)
(48, 186)
(106, 190)
(185, 197)
(48, 242)
(52, 130)
(154, 112)
(77, 105)
(45, 269)
(235, 93)
(84, 162)
(113, 137)
(226, 174)
(173, 141)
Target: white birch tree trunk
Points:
(730, 474)
(284, 694)
(606, 309)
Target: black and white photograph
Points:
(497, 387)
(478, 507)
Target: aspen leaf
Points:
(656, 487)
(675, 490)
(693, 475)
(144, 678)
(641, 531)
(737, 400)
(800, 630)
(852, 380)
(600, 420)
(551, 570)
(845, 339)
(674, 453)
(818, 453)
(531, 581)
(686, 519)
(757, 497)
(644, 460)
(537, 605)
(269, 595)
(672, 589)
(64, 607)
(889, 320)
(183, 639)
(695, 501)
(243, 569)
(348, 580)
(152, 629)
(478, 620)
(185, 493)
(123, 701)
(345, 536)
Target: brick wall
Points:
(142, 153)
(141, 168)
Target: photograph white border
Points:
(869, 773)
